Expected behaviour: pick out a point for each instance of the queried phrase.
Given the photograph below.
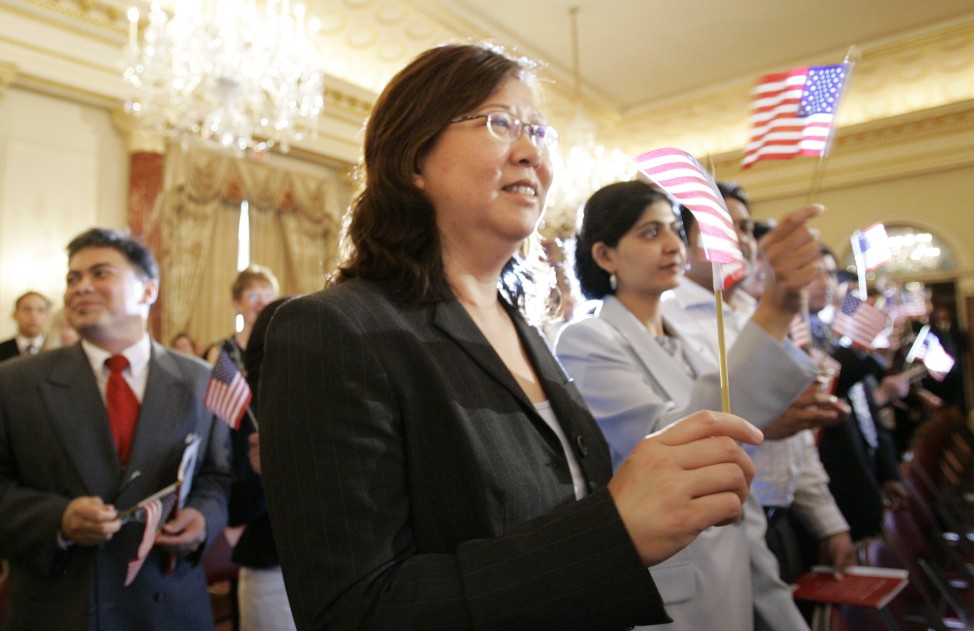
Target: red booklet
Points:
(871, 587)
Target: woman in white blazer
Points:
(637, 377)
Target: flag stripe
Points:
(682, 178)
(156, 511)
(227, 394)
(860, 321)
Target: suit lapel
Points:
(161, 416)
(675, 383)
(77, 411)
(450, 317)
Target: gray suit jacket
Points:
(55, 445)
(411, 483)
(635, 387)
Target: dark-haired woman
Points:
(427, 463)
(637, 377)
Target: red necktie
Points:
(123, 407)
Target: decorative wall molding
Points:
(69, 48)
(86, 17)
(940, 139)
(925, 71)
(8, 72)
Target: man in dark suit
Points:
(65, 465)
(859, 453)
(31, 313)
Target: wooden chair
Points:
(221, 579)
(942, 602)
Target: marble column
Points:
(147, 158)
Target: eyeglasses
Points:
(504, 126)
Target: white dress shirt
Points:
(30, 345)
(137, 374)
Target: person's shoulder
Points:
(354, 298)
(192, 367)
(582, 331)
(25, 366)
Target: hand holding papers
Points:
(153, 510)
(156, 509)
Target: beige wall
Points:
(63, 168)
(941, 202)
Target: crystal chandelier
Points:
(235, 76)
(582, 165)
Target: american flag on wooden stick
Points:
(859, 321)
(227, 394)
(793, 112)
(682, 178)
(156, 509)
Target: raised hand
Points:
(793, 253)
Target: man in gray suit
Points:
(65, 466)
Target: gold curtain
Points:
(294, 230)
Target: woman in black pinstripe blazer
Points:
(427, 463)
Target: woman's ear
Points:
(604, 256)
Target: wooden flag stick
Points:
(721, 346)
(851, 58)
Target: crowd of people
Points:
(417, 454)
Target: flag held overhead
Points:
(793, 113)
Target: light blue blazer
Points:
(634, 387)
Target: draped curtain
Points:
(294, 230)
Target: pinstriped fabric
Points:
(411, 484)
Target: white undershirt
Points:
(578, 480)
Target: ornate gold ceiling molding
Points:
(8, 72)
(907, 145)
(87, 17)
(337, 100)
(928, 70)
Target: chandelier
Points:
(582, 165)
(233, 75)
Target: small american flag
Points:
(227, 394)
(682, 177)
(871, 247)
(859, 321)
(157, 509)
(792, 113)
(937, 360)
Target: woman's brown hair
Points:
(392, 235)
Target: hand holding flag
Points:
(227, 395)
(682, 177)
(928, 349)
(156, 509)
